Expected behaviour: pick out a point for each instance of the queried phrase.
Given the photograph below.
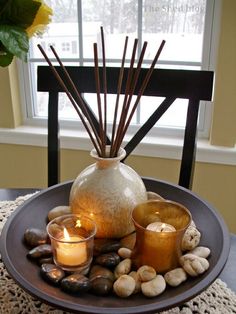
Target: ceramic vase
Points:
(107, 191)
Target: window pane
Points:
(180, 23)
(175, 116)
(118, 18)
(62, 32)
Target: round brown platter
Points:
(33, 213)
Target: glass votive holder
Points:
(72, 240)
(160, 226)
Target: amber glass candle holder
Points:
(72, 239)
(161, 248)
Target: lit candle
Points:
(72, 252)
(158, 226)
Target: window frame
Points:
(209, 56)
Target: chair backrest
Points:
(171, 84)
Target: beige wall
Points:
(224, 126)
(25, 166)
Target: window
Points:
(187, 26)
(65, 46)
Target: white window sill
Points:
(170, 148)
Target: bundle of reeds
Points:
(119, 125)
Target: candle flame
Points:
(78, 223)
(66, 234)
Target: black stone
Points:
(105, 246)
(52, 273)
(75, 283)
(108, 259)
(41, 251)
(45, 260)
(100, 271)
(34, 237)
(101, 285)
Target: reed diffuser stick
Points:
(133, 86)
(127, 91)
(62, 84)
(80, 100)
(104, 85)
(141, 91)
(120, 79)
(98, 91)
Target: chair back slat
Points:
(53, 139)
(148, 125)
(189, 145)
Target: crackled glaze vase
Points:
(107, 191)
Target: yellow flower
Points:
(41, 20)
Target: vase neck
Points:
(103, 163)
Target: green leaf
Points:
(15, 40)
(19, 12)
(5, 58)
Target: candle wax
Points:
(158, 226)
(71, 254)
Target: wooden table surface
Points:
(228, 274)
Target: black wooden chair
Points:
(171, 84)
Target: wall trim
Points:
(169, 148)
